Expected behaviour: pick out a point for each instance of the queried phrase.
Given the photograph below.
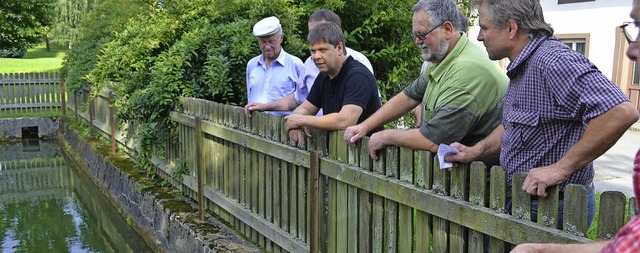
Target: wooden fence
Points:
(31, 93)
(331, 197)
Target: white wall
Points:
(599, 18)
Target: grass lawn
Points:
(36, 59)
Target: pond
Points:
(49, 205)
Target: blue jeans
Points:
(591, 207)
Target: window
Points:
(578, 42)
(573, 1)
(576, 45)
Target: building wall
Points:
(598, 18)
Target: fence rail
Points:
(331, 197)
(30, 92)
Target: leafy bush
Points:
(13, 52)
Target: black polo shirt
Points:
(354, 84)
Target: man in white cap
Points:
(273, 74)
(309, 72)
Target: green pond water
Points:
(48, 205)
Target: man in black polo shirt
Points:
(345, 89)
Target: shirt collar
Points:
(526, 53)
(279, 60)
(343, 69)
(438, 69)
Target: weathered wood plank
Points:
(391, 206)
(268, 190)
(521, 200)
(277, 193)
(302, 203)
(293, 206)
(285, 195)
(459, 190)
(548, 207)
(365, 200)
(315, 204)
(405, 213)
(342, 195)
(498, 202)
(575, 207)
(612, 220)
(377, 217)
(332, 215)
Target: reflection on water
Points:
(46, 205)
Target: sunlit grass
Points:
(54, 113)
(36, 59)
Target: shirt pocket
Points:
(527, 130)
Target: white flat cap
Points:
(266, 27)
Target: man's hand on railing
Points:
(538, 179)
(297, 136)
(354, 133)
(254, 106)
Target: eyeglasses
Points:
(631, 31)
(423, 36)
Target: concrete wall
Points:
(12, 127)
(599, 18)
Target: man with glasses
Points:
(560, 112)
(461, 89)
(273, 74)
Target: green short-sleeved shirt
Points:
(461, 96)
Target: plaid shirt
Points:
(628, 238)
(553, 94)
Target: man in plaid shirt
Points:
(560, 112)
(628, 238)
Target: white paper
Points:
(444, 150)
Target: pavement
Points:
(615, 167)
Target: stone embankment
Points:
(169, 224)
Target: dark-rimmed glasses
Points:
(631, 31)
(423, 36)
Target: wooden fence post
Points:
(198, 136)
(63, 98)
(112, 123)
(75, 105)
(90, 115)
(314, 224)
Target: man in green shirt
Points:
(461, 90)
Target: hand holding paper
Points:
(444, 150)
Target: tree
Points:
(22, 24)
(68, 17)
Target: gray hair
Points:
(526, 13)
(443, 10)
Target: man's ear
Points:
(340, 48)
(513, 28)
(447, 26)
